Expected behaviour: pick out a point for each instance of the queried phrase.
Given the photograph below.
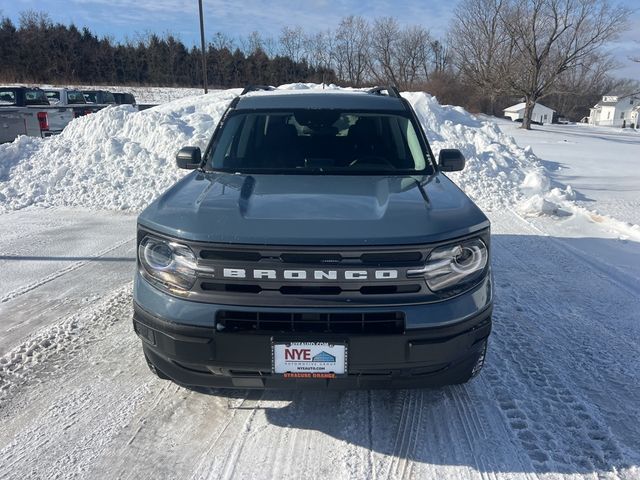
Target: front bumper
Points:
(439, 353)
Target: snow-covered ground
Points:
(560, 396)
(602, 164)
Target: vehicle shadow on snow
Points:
(559, 393)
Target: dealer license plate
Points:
(309, 359)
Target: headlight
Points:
(452, 265)
(169, 263)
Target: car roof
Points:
(319, 100)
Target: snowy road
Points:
(560, 396)
(54, 262)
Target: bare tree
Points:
(319, 50)
(352, 50)
(292, 42)
(413, 55)
(222, 41)
(524, 47)
(578, 88)
(252, 43)
(384, 38)
(480, 45)
(399, 56)
(441, 57)
(549, 37)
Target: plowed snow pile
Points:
(122, 159)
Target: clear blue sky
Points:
(127, 18)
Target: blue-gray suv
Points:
(316, 243)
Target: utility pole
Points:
(204, 53)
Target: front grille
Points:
(307, 276)
(344, 257)
(310, 289)
(284, 322)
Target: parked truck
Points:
(124, 98)
(24, 111)
(16, 121)
(99, 97)
(69, 98)
(52, 119)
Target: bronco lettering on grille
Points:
(322, 275)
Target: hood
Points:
(313, 210)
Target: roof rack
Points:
(390, 89)
(256, 88)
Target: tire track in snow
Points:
(279, 454)
(63, 271)
(559, 430)
(141, 421)
(472, 427)
(459, 428)
(371, 465)
(25, 360)
(81, 419)
(240, 428)
(611, 273)
(555, 428)
(240, 440)
(207, 454)
(407, 420)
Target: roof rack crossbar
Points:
(391, 90)
(257, 88)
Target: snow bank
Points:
(498, 173)
(122, 159)
(496, 166)
(117, 158)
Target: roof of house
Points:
(620, 97)
(602, 103)
(520, 106)
(605, 104)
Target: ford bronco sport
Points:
(317, 243)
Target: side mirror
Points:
(451, 160)
(189, 158)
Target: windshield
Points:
(75, 97)
(35, 97)
(7, 97)
(98, 96)
(319, 142)
(53, 96)
(108, 97)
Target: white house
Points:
(616, 111)
(635, 116)
(540, 113)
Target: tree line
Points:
(494, 53)
(37, 50)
